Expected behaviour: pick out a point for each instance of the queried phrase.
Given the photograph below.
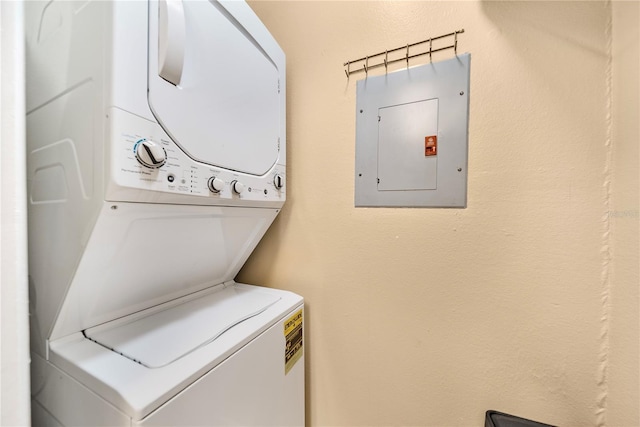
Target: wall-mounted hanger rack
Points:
(366, 66)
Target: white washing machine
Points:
(156, 163)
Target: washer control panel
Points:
(143, 157)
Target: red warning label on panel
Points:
(430, 145)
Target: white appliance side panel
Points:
(65, 63)
(250, 388)
(137, 390)
(64, 47)
(63, 401)
(128, 38)
(227, 100)
(140, 255)
(60, 205)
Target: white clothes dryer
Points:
(156, 162)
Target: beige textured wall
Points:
(431, 317)
(624, 386)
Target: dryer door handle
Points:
(171, 40)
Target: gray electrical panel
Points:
(412, 136)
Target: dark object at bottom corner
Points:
(500, 419)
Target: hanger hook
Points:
(407, 56)
(455, 43)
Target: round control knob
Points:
(237, 187)
(150, 154)
(278, 181)
(215, 184)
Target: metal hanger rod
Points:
(385, 61)
(406, 47)
(404, 58)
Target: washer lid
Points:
(215, 76)
(160, 338)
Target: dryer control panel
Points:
(143, 157)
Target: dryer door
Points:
(215, 76)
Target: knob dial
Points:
(215, 184)
(237, 187)
(150, 154)
(278, 181)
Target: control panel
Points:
(144, 157)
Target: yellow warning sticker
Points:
(293, 334)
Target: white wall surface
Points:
(14, 322)
(430, 317)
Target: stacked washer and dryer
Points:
(156, 163)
